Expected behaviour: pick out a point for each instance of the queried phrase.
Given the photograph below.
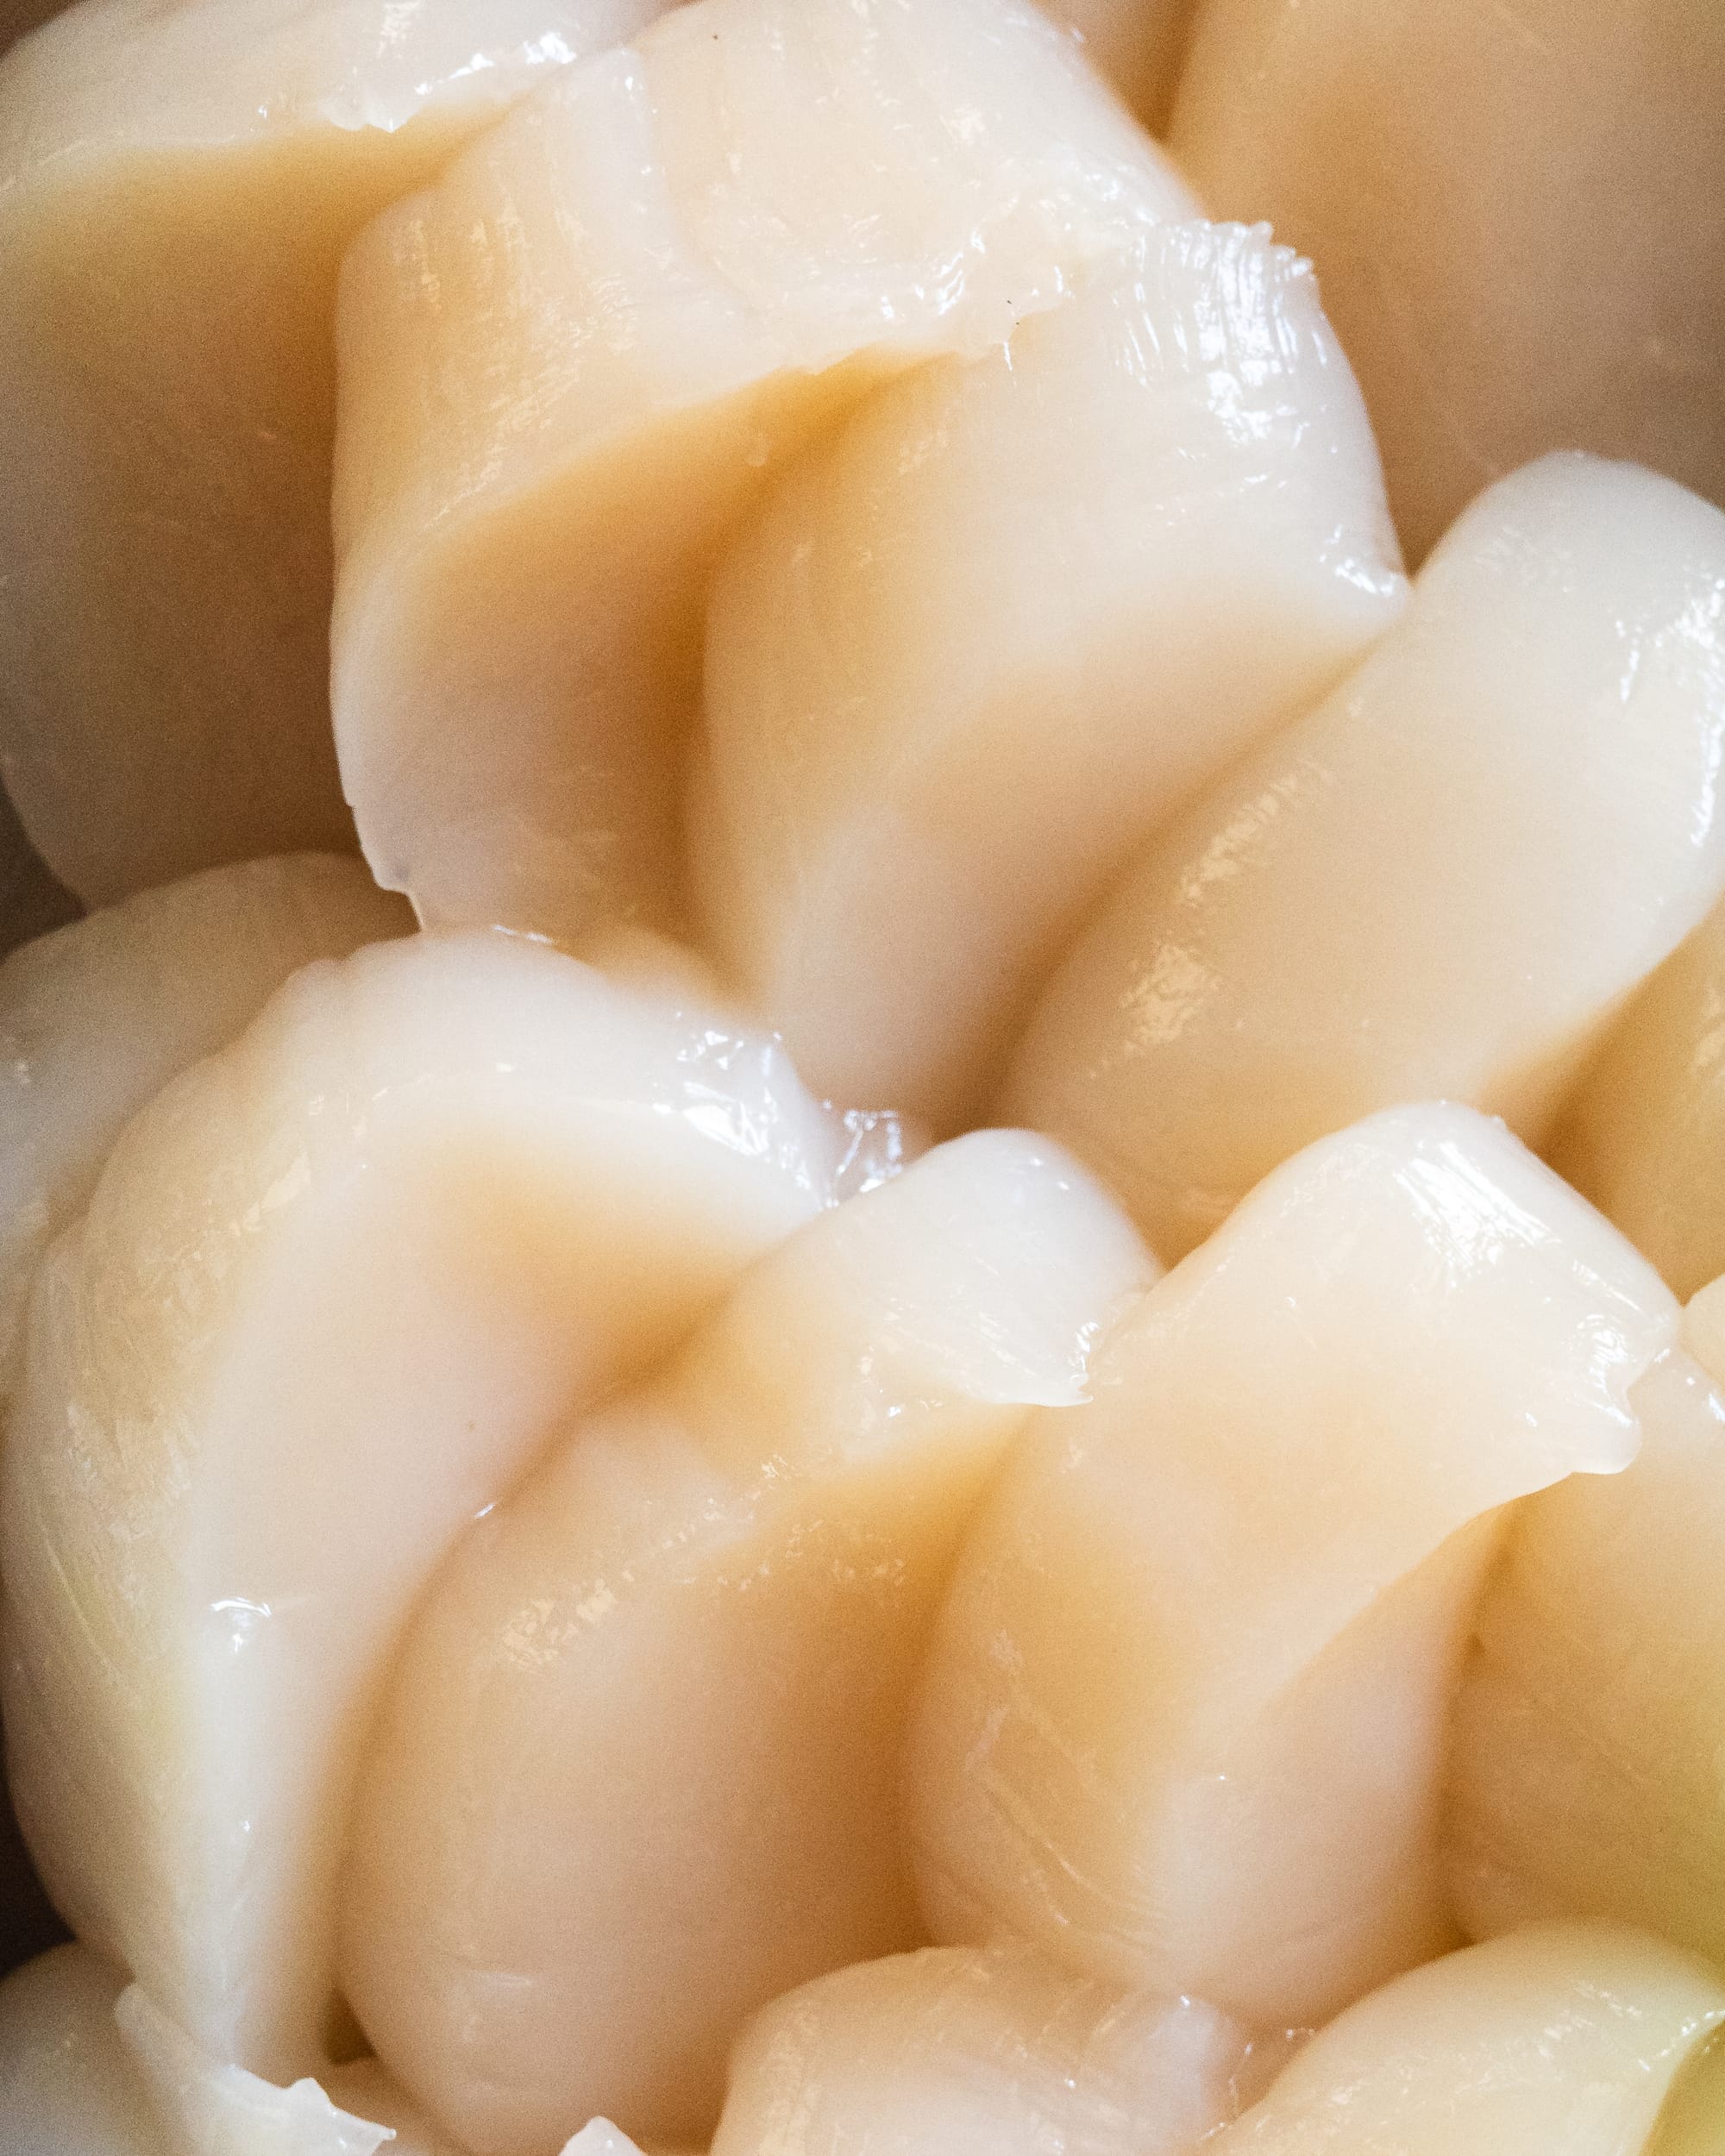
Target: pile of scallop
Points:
(969, 1404)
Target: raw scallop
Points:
(1517, 208)
(964, 2051)
(972, 650)
(637, 1771)
(1137, 44)
(97, 1017)
(335, 1289)
(1644, 1134)
(76, 2079)
(1443, 882)
(1589, 1729)
(179, 179)
(1561, 2039)
(67, 2086)
(569, 368)
(1184, 1723)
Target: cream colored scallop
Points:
(970, 651)
(79, 2080)
(209, 2106)
(67, 2086)
(1692, 2122)
(97, 1018)
(1518, 212)
(567, 369)
(1443, 881)
(964, 2051)
(88, 2068)
(637, 1771)
(335, 1287)
(365, 2088)
(179, 179)
(1643, 1136)
(1590, 1727)
(1562, 2037)
(1184, 1721)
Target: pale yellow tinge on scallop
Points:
(569, 368)
(971, 652)
(90, 2068)
(1643, 1136)
(179, 179)
(1561, 2037)
(1442, 882)
(1589, 1731)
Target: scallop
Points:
(990, 2051)
(969, 652)
(178, 180)
(1442, 882)
(1184, 1721)
(637, 1771)
(568, 369)
(97, 1018)
(1518, 212)
(335, 1289)
(1564, 2037)
(1589, 1725)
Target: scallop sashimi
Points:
(211, 2108)
(569, 368)
(1184, 1721)
(67, 2085)
(335, 1287)
(179, 179)
(1590, 1727)
(1561, 2037)
(971, 650)
(963, 2051)
(1518, 212)
(74, 2082)
(643, 1747)
(97, 1017)
(1643, 1135)
(1442, 882)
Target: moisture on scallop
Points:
(642, 1751)
(1185, 1719)
(335, 1287)
(567, 369)
(178, 180)
(1442, 883)
(971, 652)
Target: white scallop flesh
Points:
(971, 652)
(179, 181)
(1184, 1722)
(97, 1018)
(568, 368)
(1560, 2037)
(991, 2051)
(637, 1770)
(1441, 883)
(335, 1289)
